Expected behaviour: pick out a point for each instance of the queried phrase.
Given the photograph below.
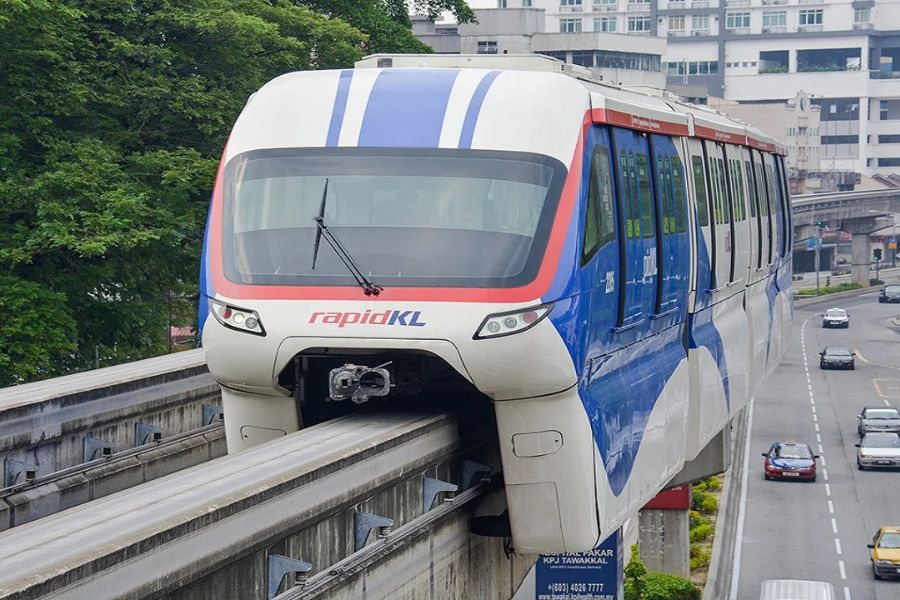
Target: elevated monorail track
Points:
(53, 425)
(211, 531)
(43, 496)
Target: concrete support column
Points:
(859, 248)
(664, 541)
(792, 61)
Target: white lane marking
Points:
(830, 507)
(825, 474)
(742, 507)
(819, 439)
(846, 593)
(814, 409)
(843, 569)
(817, 428)
(809, 386)
(822, 458)
(833, 522)
(837, 546)
(815, 418)
(827, 489)
(886, 403)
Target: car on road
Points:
(885, 554)
(790, 460)
(878, 418)
(878, 450)
(837, 357)
(889, 293)
(836, 317)
(796, 589)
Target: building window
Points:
(570, 25)
(676, 23)
(606, 24)
(605, 2)
(696, 67)
(889, 139)
(889, 162)
(501, 3)
(811, 17)
(700, 22)
(737, 20)
(584, 58)
(638, 24)
(526, 3)
(570, 2)
(862, 15)
(774, 18)
(486, 48)
(634, 61)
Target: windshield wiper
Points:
(322, 230)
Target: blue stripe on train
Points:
(471, 118)
(406, 108)
(340, 106)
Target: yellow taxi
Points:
(886, 552)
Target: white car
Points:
(836, 317)
(878, 450)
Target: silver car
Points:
(878, 418)
(878, 450)
(836, 317)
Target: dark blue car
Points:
(790, 460)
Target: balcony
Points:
(809, 28)
(739, 31)
(811, 2)
(863, 26)
(676, 4)
(700, 4)
(775, 29)
(737, 3)
(570, 9)
(699, 32)
(774, 2)
(773, 69)
(638, 7)
(677, 33)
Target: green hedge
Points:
(641, 584)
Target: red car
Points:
(790, 460)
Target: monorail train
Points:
(609, 266)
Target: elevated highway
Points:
(858, 213)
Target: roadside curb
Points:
(718, 580)
(826, 298)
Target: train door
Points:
(706, 247)
(724, 236)
(637, 247)
(785, 204)
(599, 253)
(734, 174)
(754, 216)
(774, 206)
(673, 244)
(764, 209)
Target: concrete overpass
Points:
(858, 213)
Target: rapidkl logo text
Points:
(402, 318)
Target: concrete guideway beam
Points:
(205, 532)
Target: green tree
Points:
(387, 22)
(113, 114)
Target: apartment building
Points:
(844, 53)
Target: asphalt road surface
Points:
(819, 531)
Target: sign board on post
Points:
(594, 575)
(675, 498)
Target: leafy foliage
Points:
(641, 584)
(112, 117)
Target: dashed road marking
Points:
(837, 546)
(828, 490)
(822, 458)
(860, 356)
(825, 474)
(843, 569)
(833, 524)
(846, 593)
(831, 507)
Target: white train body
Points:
(629, 327)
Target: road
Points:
(819, 531)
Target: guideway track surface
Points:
(169, 537)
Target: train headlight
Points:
(508, 323)
(239, 319)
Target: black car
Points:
(889, 293)
(837, 357)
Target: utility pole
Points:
(818, 247)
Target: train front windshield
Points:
(420, 217)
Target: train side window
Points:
(741, 207)
(726, 212)
(643, 174)
(680, 221)
(635, 196)
(663, 193)
(599, 225)
(700, 191)
(625, 193)
(750, 185)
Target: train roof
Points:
(641, 108)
